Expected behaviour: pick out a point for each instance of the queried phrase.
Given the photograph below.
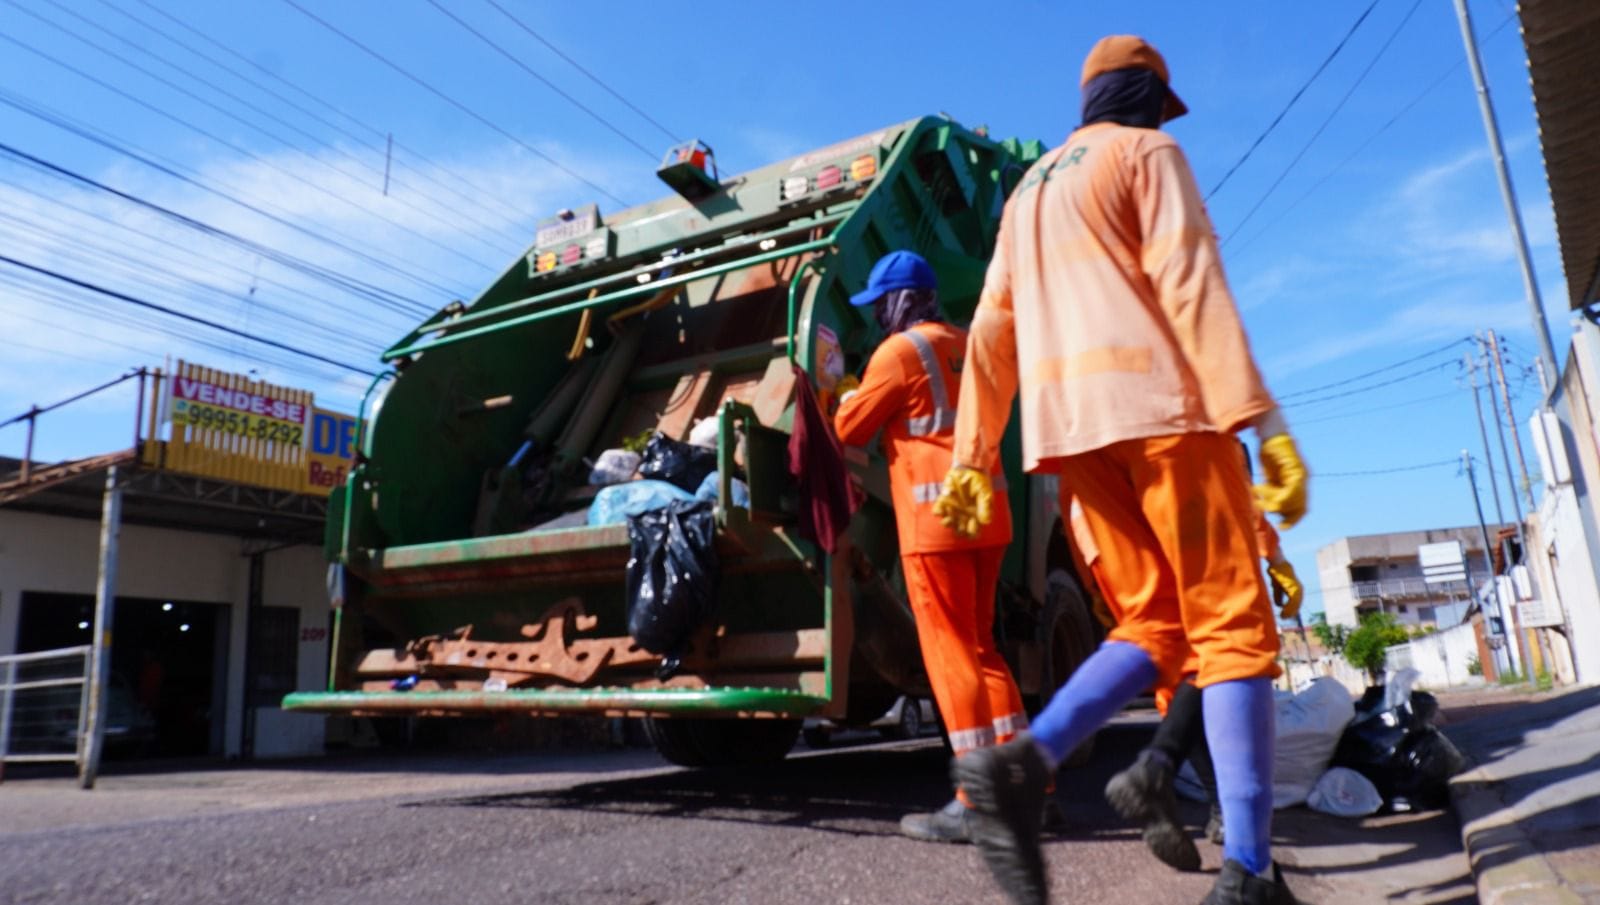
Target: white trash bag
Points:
(1343, 792)
(1309, 726)
(614, 466)
(705, 432)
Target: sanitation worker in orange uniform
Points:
(1106, 308)
(908, 391)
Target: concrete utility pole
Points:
(1494, 586)
(1541, 329)
(1511, 420)
(105, 599)
(1483, 431)
(1505, 453)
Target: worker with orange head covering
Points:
(908, 392)
(1106, 307)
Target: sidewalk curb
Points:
(1506, 867)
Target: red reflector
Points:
(572, 254)
(829, 177)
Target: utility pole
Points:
(1511, 420)
(1494, 586)
(1505, 453)
(1541, 329)
(1488, 457)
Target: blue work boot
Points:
(1236, 885)
(1143, 793)
(1006, 786)
(950, 823)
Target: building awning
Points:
(1562, 37)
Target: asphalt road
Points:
(819, 828)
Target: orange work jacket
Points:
(909, 391)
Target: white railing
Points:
(1394, 588)
(43, 706)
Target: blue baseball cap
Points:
(896, 270)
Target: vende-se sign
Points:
(239, 412)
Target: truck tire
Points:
(1067, 637)
(722, 743)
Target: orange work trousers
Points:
(1175, 525)
(952, 596)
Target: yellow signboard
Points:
(230, 427)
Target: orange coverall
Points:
(909, 392)
(1105, 305)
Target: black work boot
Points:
(1236, 885)
(1006, 786)
(948, 824)
(1143, 793)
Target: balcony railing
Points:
(1395, 588)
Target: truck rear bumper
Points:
(701, 702)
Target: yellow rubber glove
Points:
(1284, 490)
(967, 502)
(1288, 584)
(847, 384)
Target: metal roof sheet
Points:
(1562, 38)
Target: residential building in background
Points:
(1374, 573)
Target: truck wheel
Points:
(722, 743)
(1066, 638)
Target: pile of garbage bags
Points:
(1355, 758)
(667, 495)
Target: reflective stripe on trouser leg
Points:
(952, 597)
(1009, 725)
(964, 740)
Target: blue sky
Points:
(1378, 246)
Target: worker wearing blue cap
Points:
(909, 393)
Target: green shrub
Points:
(1365, 647)
(1474, 666)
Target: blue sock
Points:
(1239, 729)
(1099, 688)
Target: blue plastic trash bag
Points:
(712, 485)
(612, 505)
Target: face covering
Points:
(899, 309)
(1130, 97)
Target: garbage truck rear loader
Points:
(466, 577)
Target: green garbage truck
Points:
(466, 577)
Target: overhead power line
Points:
(1295, 97)
(453, 102)
(1317, 133)
(1369, 409)
(486, 196)
(465, 212)
(1376, 386)
(170, 312)
(517, 61)
(1308, 391)
(111, 145)
(578, 66)
(1382, 471)
(365, 209)
(1398, 115)
(317, 271)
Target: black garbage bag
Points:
(672, 577)
(1392, 742)
(675, 462)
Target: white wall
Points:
(1441, 657)
(61, 555)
